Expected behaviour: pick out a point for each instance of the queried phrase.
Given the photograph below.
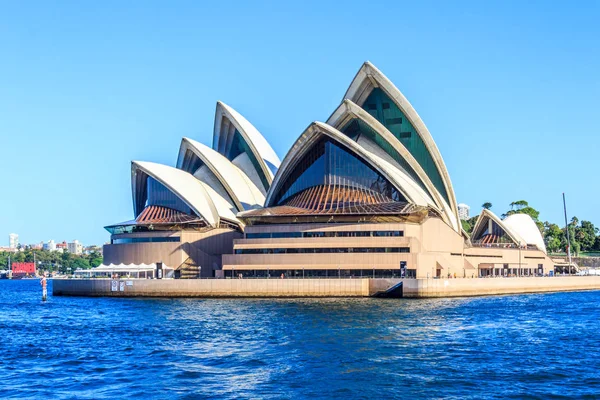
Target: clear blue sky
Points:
(510, 92)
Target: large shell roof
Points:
(189, 189)
(373, 156)
(242, 172)
(240, 188)
(521, 228)
(425, 151)
(227, 123)
(526, 228)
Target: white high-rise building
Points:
(75, 247)
(463, 211)
(50, 246)
(13, 240)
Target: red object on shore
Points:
(23, 268)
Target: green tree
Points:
(586, 235)
(466, 226)
(553, 237)
(487, 205)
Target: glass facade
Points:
(150, 239)
(328, 164)
(160, 195)
(239, 146)
(490, 233)
(357, 128)
(380, 106)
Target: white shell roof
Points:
(262, 150)
(373, 155)
(184, 185)
(525, 227)
(238, 185)
(369, 77)
(348, 110)
(485, 213)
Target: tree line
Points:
(584, 236)
(52, 261)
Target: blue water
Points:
(526, 346)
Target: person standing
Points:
(44, 284)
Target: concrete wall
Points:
(435, 249)
(587, 262)
(322, 287)
(494, 286)
(170, 253)
(215, 288)
(204, 248)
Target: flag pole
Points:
(567, 228)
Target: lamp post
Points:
(520, 246)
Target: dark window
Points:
(386, 106)
(159, 195)
(415, 146)
(394, 121)
(325, 250)
(328, 164)
(356, 128)
(150, 239)
(240, 146)
(405, 135)
(259, 235)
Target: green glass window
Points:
(357, 128)
(380, 106)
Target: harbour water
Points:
(524, 346)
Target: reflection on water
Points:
(503, 346)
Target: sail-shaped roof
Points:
(490, 230)
(362, 127)
(347, 167)
(239, 187)
(233, 136)
(165, 186)
(377, 95)
(526, 228)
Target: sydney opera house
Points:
(364, 194)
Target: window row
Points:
(287, 235)
(325, 250)
(152, 239)
(321, 273)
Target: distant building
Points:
(50, 245)
(37, 246)
(62, 245)
(75, 247)
(21, 269)
(463, 211)
(92, 249)
(13, 240)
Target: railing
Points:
(505, 246)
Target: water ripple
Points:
(530, 346)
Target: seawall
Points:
(213, 287)
(415, 288)
(495, 286)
